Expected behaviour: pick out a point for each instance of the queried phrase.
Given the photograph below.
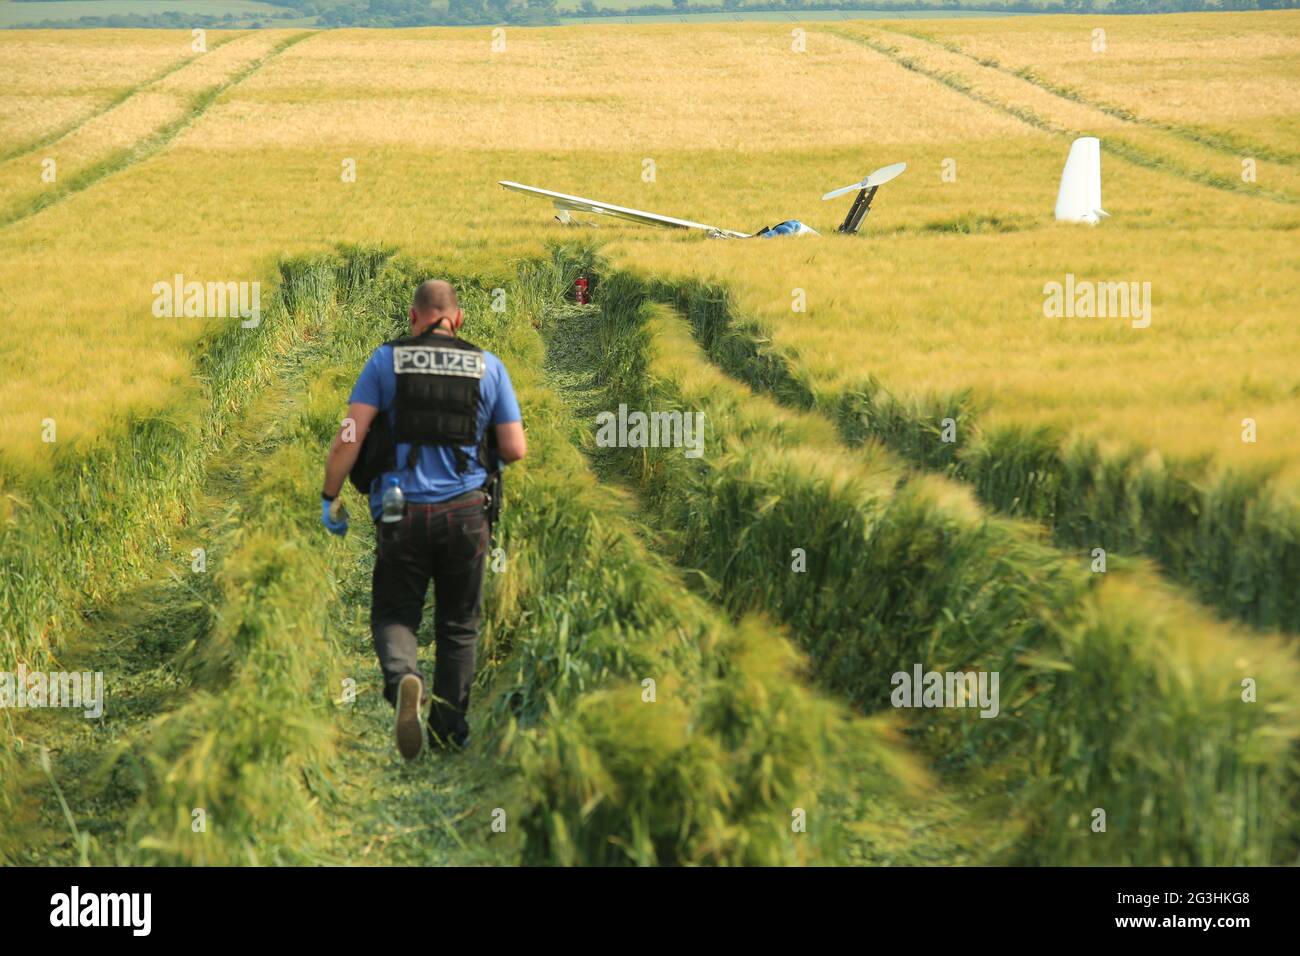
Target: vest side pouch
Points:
(378, 455)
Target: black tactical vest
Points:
(437, 399)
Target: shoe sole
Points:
(410, 729)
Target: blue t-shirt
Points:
(433, 476)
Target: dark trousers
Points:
(445, 542)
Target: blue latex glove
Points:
(339, 527)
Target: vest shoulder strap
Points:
(432, 338)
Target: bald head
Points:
(435, 297)
(435, 301)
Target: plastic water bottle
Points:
(394, 502)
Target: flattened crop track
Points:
(54, 136)
(639, 698)
(225, 661)
(144, 148)
(1191, 134)
(887, 806)
(964, 78)
(903, 569)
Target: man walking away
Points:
(425, 413)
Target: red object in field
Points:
(580, 290)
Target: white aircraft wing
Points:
(566, 204)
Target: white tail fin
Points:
(1080, 197)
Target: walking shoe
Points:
(410, 737)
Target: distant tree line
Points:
(591, 8)
(419, 13)
(332, 13)
(166, 20)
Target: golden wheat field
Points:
(1230, 73)
(54, 80)
(319, 162)
(942, 292)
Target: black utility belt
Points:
(474, 496)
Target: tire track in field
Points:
(1197, 632)
(1197, 135)
(148, 146)
(740, 350)
(1126, 151)
(378, 810)
(135, 640)
(55, 136)
(911, 814)
(138, 639)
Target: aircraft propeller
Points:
(879, 177)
